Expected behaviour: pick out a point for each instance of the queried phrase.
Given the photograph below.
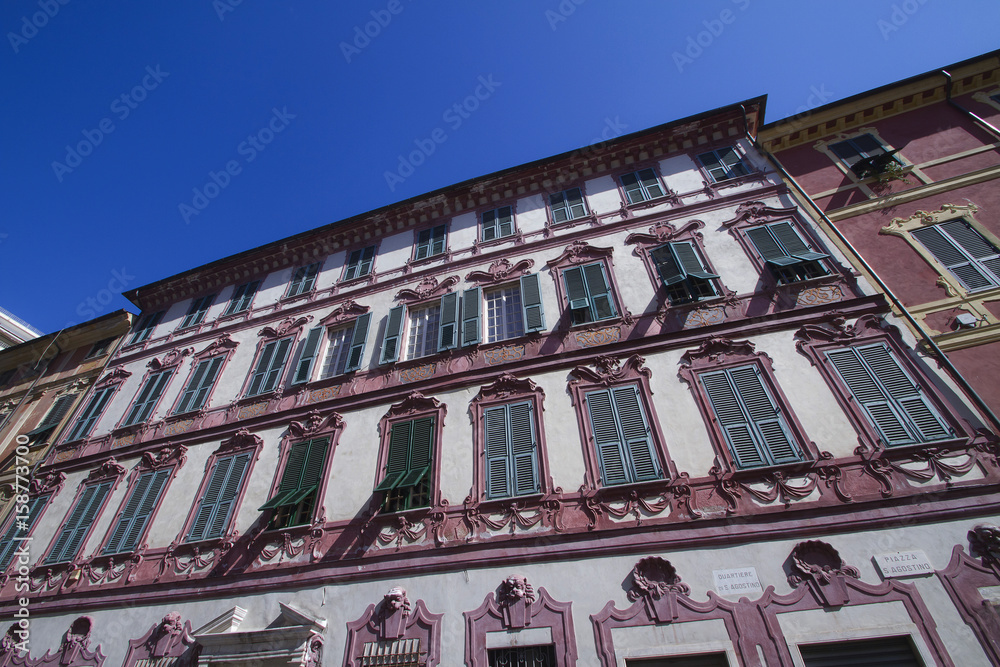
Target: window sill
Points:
(516, 237)
(368, 278)
(446, 255)
(241, 315)
(304, 296)
(669, 198)
(589, 218)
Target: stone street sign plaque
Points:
(738, 582)
(903, 564)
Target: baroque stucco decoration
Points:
(221, 345)
(345, 312)
(500, 271)
(395, 619)
(610, 370)
(170, 638)
(656, 583)
(315, 422)
(74, 649)
(287, 326)
(820, 567)
(426, 288)
(170, 359)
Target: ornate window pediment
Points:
(394, 629)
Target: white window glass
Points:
(422, 339)
(337, 351)
(503, 312)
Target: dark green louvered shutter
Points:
(866, 391)
(263, 363)
(531, 303)
(145, 327)
(289, 483)
(511, 458)
(956, 245)
(523, 448)
(271, 374)
(431, 242)
(78, 523)
(220, 494)
(242, 298)
(906, 394)
(227, 497)
(421, 443)
(201, 384)
(132, 522)
(732, 419)
(399, 454)
(89, 416)
(498, 473)
(764, 413)
(576, 289)
(303, 369)
(636, 433)
(196, 313)
(471, 305)
(599, 290)
(607, 440)
(393, 332)
(667, 265)
(689, 261)
(358, 338)
(148, 396)
(54, 415)
(768, 247)
(792, 243)
(13, 537)
(448, 327)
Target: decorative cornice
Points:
(818, 565)
(414, 404)
(314, 423)
(221, 345)
(345, 312)
(242, 439)
(610, 370)
(579, 252)
(754, 212)
(110, 469)
(285, 327)
(116, 375)
(719, 351)
(170, 359)
(837, 330)
(426, 288)
(900, 226)
(51, 483)
(663, 232)
(500, 271)
(506, 385)
(166, 456)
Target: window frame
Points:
(577, 256)
(99, 349)
(151, 376)
(348, 316)
(663, 233)
(413, 408)
(979, 264)
(609, 374)
(721, 354)
(396, 334)
(349, 263)
(741, 162)
(198, 311)
(239, 296)
(223, 349)
(240, 443)
(501, 273)
(497, 225)
(665, 193)
(430, 243)
(10, 528)
(144, 328)
(110, 473)
(550, 208)
(288, 329)
(304, 284)
(93, 408)
(826, 147)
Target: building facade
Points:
(622, 406)
(14, 330)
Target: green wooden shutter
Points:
(291, 476)
(227, 497)
(148, 396)
(78, 522)
(263, 363)
(277, 365)
(421, 445)
(448, 326)
(367, 258)
(393, 332)
(607, 440)
(764, 413)
(523, 448)
(688, 258)
(146, 327)
(599, 291)
(358, 338)
(242, 297)
(398, 457)
(471, 305)
(768, 248)
(907, 395)
(667, 266)
(576, 289)
(54, 415)
(944, 247)
(312, 471)
(498, 459)
(792, 244)
(13, 537)
(866, 391)
(90, 414)
(132, 522)
(531, 303)
(304, 368)
(638, 439)
(210, 501)
(207, 382)
(733, 421)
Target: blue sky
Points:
(142, 139)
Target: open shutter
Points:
(312, 471)
(421, 444)
(54, 415)
(471, 302)
(576, 289)
(870, 397)
(303, 369)
(78, 522)
(210, 501)
(689, 261)
(148, 397)
(905, 392)
(732, 420)
(399, 454)
(793, 245)
(289, 483)
(273, 375)
(227, 497)
(531, 303)
(448, 327)
(635, 429)
(90, 414)
(187, 398)
(667, 265)
(523, 448)
(261, 370)
(768, 247)
(764, 414)
(599, 290)
(607, 440)
(498, 460)
(358, 338)
(309, 280)
(393, 331)
(14, 536)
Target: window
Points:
(785, 253)
(360, 263)
(511, 450)
(973, 260)
(588, 293)
(498, 223)
(995, 98)
(147, 398)
(407, 480)
(346, 347)
(700, 660)
(78, 522)
(295, 498)
(131, 524)
(621, 436)
(430, 328)
(85, 422)
(504, 318)
(422, 338)
(100, 348)
(881, 652)
(641, 186)
(270, 365)
(200, 385)
(510, 310)
(893, 404)
(431, 242)
(567, 205)
(196, 313)
(751, 422)
(242, 298)
(684, 274)
(864, 155)
(54, 416)
(723, 164)
(21, 524)
(303, 280)
(522, 656)
(145, 328)
(217, 506)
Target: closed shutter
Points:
(523, 448)
(201, 384)
(393, 331)
(764, 413)
(421, 442)
(448, 327)
(227, 497)
(196, 313)
(531, 303)
(55, 414)
(78, 523)
(146, 327)
(511, 458)
(358, 338)
(262, 365)
(132, 522)
(148, 396)
(636, 433)
(599, 290)
(13, 537)
(242, 297)
(399, 455)
(905, 392)
(471, 305)
(498, 460)
(302, 473)
(607, 440)
(411, 446)
(732, 420)
(881, 652)
(90, 414)
(964, 252)
(866, 391)
(303, 369)
(972, 242)
(220, 494)
(272, 373)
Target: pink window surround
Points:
(170, 638)
(668, 196)
(720, 353)
(309, 295)
(369, 277)
(580, 253)
(559, 187)
(109, 471)
(516, 607)
(711, 185)
(315, 425)
(515, 235)
(662, 233)
(49, 485)
(74, 649)
(500, 272)
(446, 255)
(287, 328)
(239, 442)
(413, 406)
(115, 378)
(820, 580)
(965, 576)
(508, 389)
(610, 372)
(813, 340)
(392, 620)
(224, 347)
(169, 363)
